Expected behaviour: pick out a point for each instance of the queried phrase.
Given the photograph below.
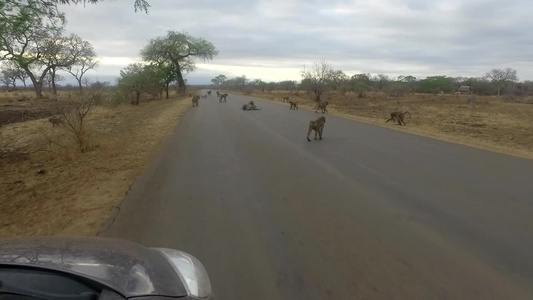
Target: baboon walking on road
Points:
(195, 99)
(294, 105)
(322, 106)
(318, 126)
(223, 98)
(209, 93)
(399, 117)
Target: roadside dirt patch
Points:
(494, 124)
(56, 190)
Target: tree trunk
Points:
(181, 81)
(80, 85)
(37, 85)
(53, 74)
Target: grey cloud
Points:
(381, 36)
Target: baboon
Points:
(218, 94)
(195, 99)
(223, 98)
(204, 96)
(285, 99)
(322, 106)
(294, 104)
(317, 126)
(209, 93)
(55, 121)
(250, 106)
(399, 117)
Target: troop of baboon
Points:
(317, 125)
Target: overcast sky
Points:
(273, 39)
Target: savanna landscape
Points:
(415, 186)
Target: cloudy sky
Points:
(273, 39)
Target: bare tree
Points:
(11, 72)
(316, 79)
(86, 60)
(502, 77)
(74, 113)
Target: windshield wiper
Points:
(13, 290)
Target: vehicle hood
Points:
(126, 267)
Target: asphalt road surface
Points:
(366, 213)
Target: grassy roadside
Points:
(495, 124)
(57, 190)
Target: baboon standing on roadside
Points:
(294, 105)
(399, 117)
(318, 126)
(56, 121)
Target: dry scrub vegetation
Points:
(50, 187)
(501, 124)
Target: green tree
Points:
(219, 80)
(138, 79)
(501, 78)
(179, 49)
(436, 84)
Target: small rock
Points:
(41, 171)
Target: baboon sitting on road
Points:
(317, 126)
(250, 106)
(294, 104)
(399, 117)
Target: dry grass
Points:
(495, 124)
(78, 191)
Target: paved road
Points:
(367, 213)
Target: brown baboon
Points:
(294, 104)
(285, 99)
(223, 98)
(55, 121)
(317, 126)
(399, 117)
(209, 93)
(322, 106)
(218, 94)
(250, 106)
(195, 99)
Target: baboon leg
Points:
(309, 132)
(389, 120)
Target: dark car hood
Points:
(128, 268)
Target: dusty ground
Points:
(77, 191)
(502, 125)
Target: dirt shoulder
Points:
(494, 124)
(56, 190)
